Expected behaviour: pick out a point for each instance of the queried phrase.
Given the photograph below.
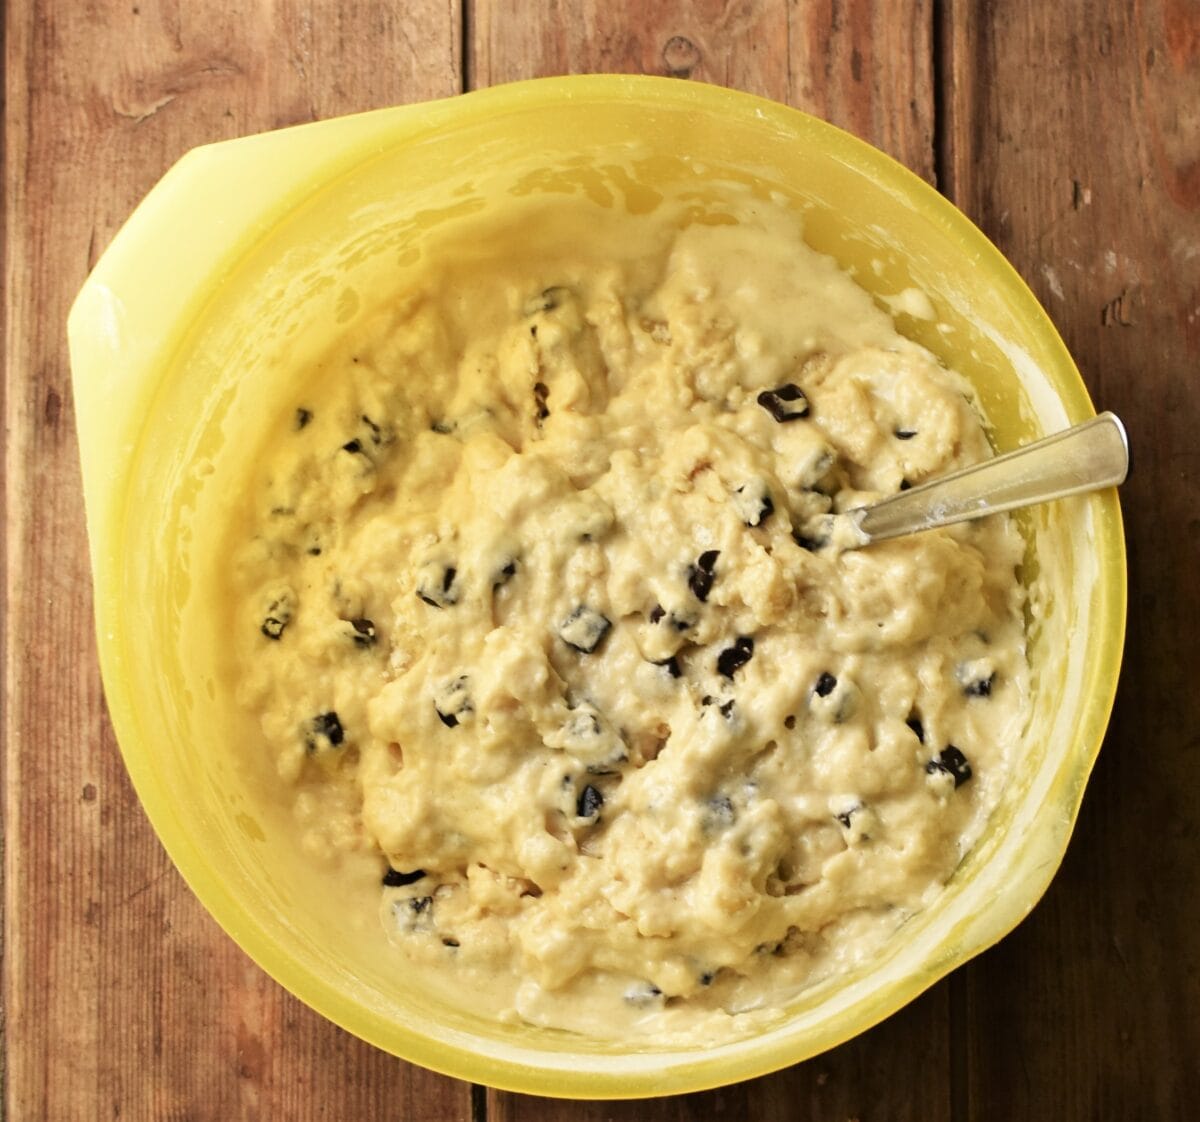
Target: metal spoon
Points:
(1086, 457)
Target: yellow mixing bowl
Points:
(252, 252)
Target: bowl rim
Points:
(391, 128)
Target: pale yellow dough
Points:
(544, 440)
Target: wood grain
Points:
(122, 998)
(898, 1071)
(867, 67)
(1071, 132)
(1074, 140)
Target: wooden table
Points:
(1069, 131)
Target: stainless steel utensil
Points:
(1086, 457)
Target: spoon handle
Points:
(1085, 457)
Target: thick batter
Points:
(539, 597)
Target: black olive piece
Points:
(671, 665)
(904, 434)
(847, 814)
(981, 687)
(826, 684)
(584, 629)
(754, 509)
(303, 416)
(540, 392)
(810, 544)
(393, 878)
(951, 761)
(904, 485)
(420, 904)
(658, 613)
(585, 732)
(327, 726)
(784, 403)
(589, 802)
(700, 575)
(364, 632)
(914, 723)
(451, 943)
(443, 595)
(453, 701)
(725, 707)
(732, 659)
(548, 301)
(506, 573)
(279, 615)
(643, 994)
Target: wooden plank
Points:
(1073, 131)
(867, 67)
(122, 998)
(899, 1070)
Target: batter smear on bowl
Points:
(540, 596)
